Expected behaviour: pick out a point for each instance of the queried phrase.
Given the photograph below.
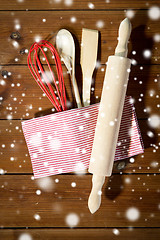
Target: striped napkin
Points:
(62, 142)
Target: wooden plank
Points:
(74, 4)
(27, 100)
(126, 201)
(106, 22)
(16, 159)
(85, 234)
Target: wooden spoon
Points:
(66, 47)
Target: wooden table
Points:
(134, 187)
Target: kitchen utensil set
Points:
(103, 150)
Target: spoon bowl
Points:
(66, 48)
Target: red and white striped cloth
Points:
(62, 142)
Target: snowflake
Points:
(37, 38)
(25, 236)
(130, 13)
(2, 171)
(154, 121)
(91, 5)
(100, 24)
(131, 160)
(111, 123)
(46, 184)
(55, 144)
(154, 13)
(150, 134)
(2, 82)
(68, 2)
(37, 217)
(156, 37)
(132, 214)
(17, 26)
(127, 180)
(15, 44)
(147, 53)
(38, 192)
(81, 128)
(72, 219)
(73, 19)
(73, 184)
(116, 231)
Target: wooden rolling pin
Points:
(109, 116)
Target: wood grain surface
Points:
(106, 22)
(70, 4)
(20, 89)
(120, 194)
(56, 207)
(85, 234)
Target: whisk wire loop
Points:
(39, 74)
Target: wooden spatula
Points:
(89, 47)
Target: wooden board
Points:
(85, 234)
(28, 97)
(136, 185)
(70, 4)
(32, 28)
(17, 160)
(122, 205)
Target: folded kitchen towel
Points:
(62, 142)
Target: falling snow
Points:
(150, 134)
(73, 184)
(130, 13)
(127, 180)
(91, 5)
(131, 160)
(156, 37)
(111, 123)
(73, 19)
(37, 217)
(100, 24)
(81, 128)
(25, 236)
(68, 2)
(133, 62)
(116, 231)
(37, 38)
(80, 168)
(154, 164)
(2, 82)
(154, 121)
(132, 214)
(17, 26)
(154, 13)
(15, 44)
(38, 192)
(46, 184)
(55, 144)
(36, 139)
(2, 171)
(147, 53)
(72, 220)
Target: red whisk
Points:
(56, 95)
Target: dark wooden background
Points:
(136, 185)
